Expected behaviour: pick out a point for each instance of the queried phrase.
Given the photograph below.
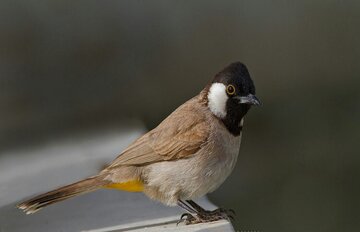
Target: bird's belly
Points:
(219, 166)
(193, 177)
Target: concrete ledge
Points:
(167, 224)
(24, 173)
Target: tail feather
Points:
(84, 186)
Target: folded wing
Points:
(179, 136)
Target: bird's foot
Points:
(207, 216)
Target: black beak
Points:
(249, 99)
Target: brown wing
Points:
(180, 135)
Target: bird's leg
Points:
(208, 216)
(197, 207)
(186, 207)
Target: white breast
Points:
(198, 175)
(224, 157)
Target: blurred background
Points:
(68, 67)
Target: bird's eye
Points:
(230, 89)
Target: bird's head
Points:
(231, 94)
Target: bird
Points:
(189, 154)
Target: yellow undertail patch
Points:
(130, 186)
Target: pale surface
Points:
(36, 170)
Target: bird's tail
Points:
(84, 186)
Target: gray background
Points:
(74, 66)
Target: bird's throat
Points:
(233, 118)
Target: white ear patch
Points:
(217, 98)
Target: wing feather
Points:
(180, 135)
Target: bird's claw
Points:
(187, 218)
(208, 216)
(232, 211)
